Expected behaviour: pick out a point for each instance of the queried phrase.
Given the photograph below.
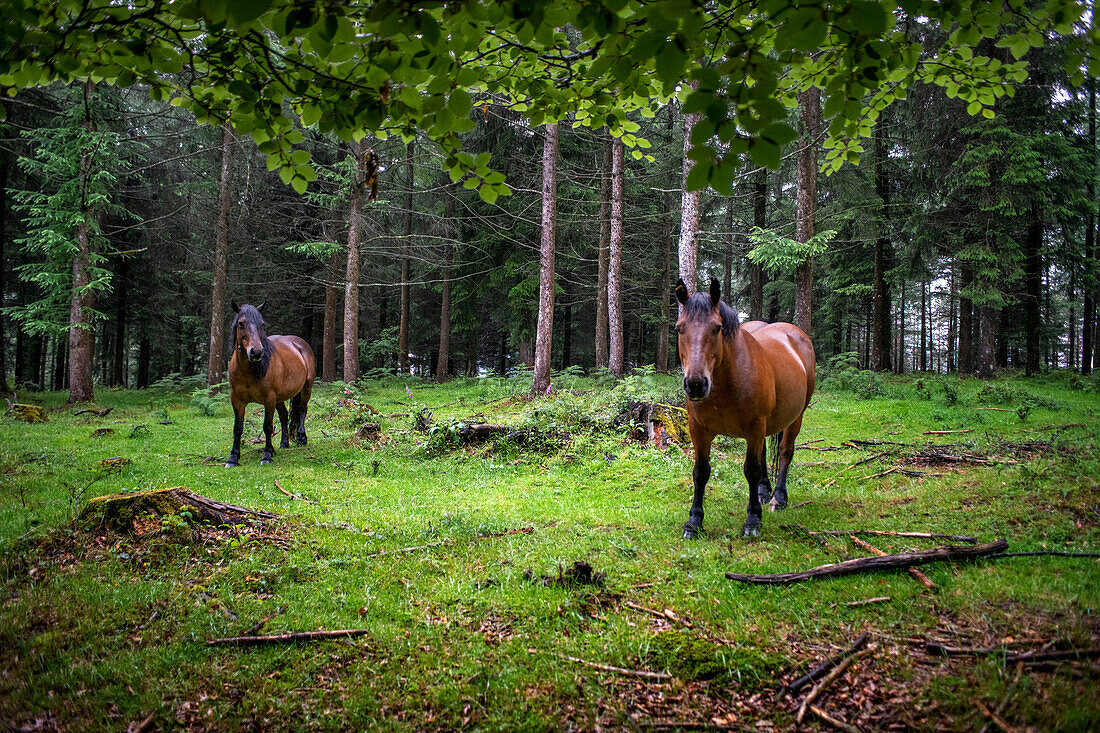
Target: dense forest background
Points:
(962, 244)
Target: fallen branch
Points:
(878, 475)
(609, 668)
(816, 538)
(997, 719)
(287, 638)
(98, 413)
(918, 575)
(947, 432)
(838, 724)
(868, 601)
(802, 503)
(263, 622)
(865, 443)
(821, 669)
(1054, 553)
(667, 614)
(144, 726)
(292, 496)
(887, 533)
(871, 564)
(1061, 655)
(821, 686)
(850, 466)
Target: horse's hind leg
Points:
(298, 419)
(786, 453)
(756, 473)
(303, 398)
(284, 441)
(763, 484)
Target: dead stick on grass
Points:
(947, 432)
(838, 724)
(287, 638)
(997, 719)
(821, 669)
(868, 601)
(853, 465)
(292, 496)
(145, 725)
(887, 533)
(263, 622)
(609, 668)
(878, 475)
(918, 575)
(871, 564)
(666, 614)
(821, 686)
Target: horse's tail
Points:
(775, 440)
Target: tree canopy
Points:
(394, 68)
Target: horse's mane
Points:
(699, 305)
(252, 315)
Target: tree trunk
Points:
(923, 325)
(351, 272)
(544, 332)
(987, 341)
(443, 364)
(82, 300)
(809, 108)
(602, 334)
(5, 161)
(1032, 271)
(566, 323)
(759, 219)
(965, 359)
(1092, 251)
(880, 329)
(120, 372)
(328, 338)
(727, 254)
(689, 210)
(403, 327)
(665, 289)
(615, 258)
(216, 362)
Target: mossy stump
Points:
(118, 511)
(27, 413)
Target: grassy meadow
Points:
(453, 559)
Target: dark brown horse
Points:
(268, 371)
(747, 380)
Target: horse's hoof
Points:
(775, 505)
(266, 460)
(691, 532)
(750, 530)
(764, 495)
(230, 464)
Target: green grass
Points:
(98, 631)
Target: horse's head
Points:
(248, 331)
(703, 326)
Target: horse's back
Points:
(792, 355)
(296, 347)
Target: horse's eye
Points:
(716, 330)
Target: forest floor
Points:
(457, 563)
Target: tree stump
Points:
(27, 413)
(118, 511)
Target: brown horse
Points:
(747, 380)
(268, 371)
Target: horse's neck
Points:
(739, 363)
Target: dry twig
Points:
(287, 638)
(918, 575)
(609, 668)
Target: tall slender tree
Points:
(809, 106)
(351, 272)
(689, 209)
(545, 330)
(614, 270)
(602, 333)
(215, 363)
(406, 244)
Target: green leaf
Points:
(670, 62)
(240, 12)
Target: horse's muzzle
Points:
(255, 355)
(697, 388)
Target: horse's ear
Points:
(236, 308)
(681, 292)
(260, 307)
(715, 292)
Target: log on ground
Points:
(871, 564)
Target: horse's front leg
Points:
(238, 428)
(284, 442)
(756, 473)
(700, 474)
(269, 430)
